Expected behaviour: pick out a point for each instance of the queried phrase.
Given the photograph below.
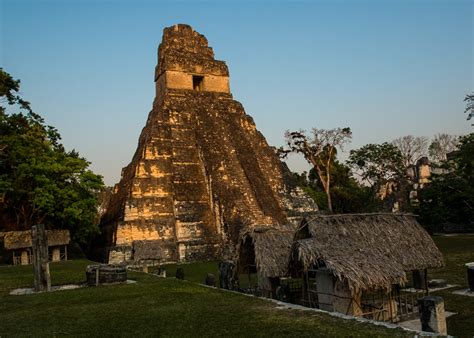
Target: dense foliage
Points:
(347, 194)
(377, 164)
(41, 182)
(449, 198)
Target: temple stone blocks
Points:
(188, 172)
(198, 150)
(128, 233)
(191, 211)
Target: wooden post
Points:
(65, 252)
(427, 291)
(97, 272)
(40, 258)
(419, 279)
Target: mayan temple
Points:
(201, 171)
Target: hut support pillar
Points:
(40, 258)
(24, 258)
(419, 279)
(264, 285)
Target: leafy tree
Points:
(9, 88)
(442, 145)
(377, 164)
(381, 167)
(412, 148)
(449, 197)
(39, 181)
(319, 150)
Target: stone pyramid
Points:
(201, 171)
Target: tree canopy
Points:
(319, 149)
(441, 146)
(377, 164)
(449, 198)
(412, 148)
(41, 182)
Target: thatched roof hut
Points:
(269, 248)
(58, 237)
(13, 240)
(371, 251)
(148, 250)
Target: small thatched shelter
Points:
(363, 252)
(265, 250)
(19, 243)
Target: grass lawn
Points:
(457, 251)
(166, 307)
(154, 307)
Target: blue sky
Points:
(385, 68)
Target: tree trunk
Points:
(328, 190)
(328, 194)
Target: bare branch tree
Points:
(442, 145)
(412, 148)
(319, 150)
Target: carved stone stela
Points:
(201, 170)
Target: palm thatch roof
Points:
(22, 239)
(268, 247)
(148, 250)
(58, 237)
(371, 251)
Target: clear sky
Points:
(385, 68)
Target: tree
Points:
(381, 166)
(9, 88)
(449, 197)
(319, 150)
(469, 99)
(412, 148)
(348, 195)
(377, 164)
(40, 182)
(442, 145)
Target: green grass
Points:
(197, 272)
(154, 307)
(166, 307)
(194, 272)
(457, 251)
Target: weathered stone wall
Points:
(201, 170)
(180, 80)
